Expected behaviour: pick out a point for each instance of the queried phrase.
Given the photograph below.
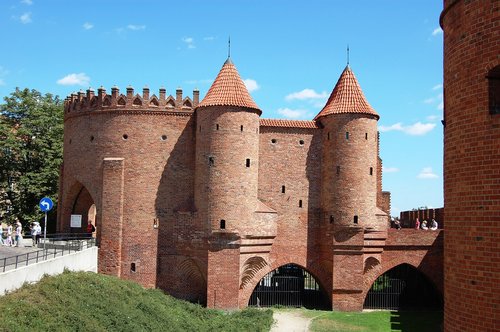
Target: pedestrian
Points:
(38, 232)
(19, 234)
(434, 225)
(417, 224)
(9, 242)
(33, 234)
(90, 229)
(424, 225)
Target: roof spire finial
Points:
(229, 47)
(347, 55)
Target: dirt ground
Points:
(290, 321)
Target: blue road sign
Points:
(46, 204)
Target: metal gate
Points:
(288, 286)
(403, 287)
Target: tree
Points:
(31, 139)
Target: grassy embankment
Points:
(94, 302)
(376, 321)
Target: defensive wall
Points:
(203, 199)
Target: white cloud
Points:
(189, 42)
(25, 18)
(74, 79)
(251, 85)
(433, 117)
(390, 169)
(87, 26)
(2, 82)
(428, 101)
(136, 27)
(293, 114)
(306, 94)
(437, 31)
(27, 2)
(416, 129)
(427, 173)
(437, 87)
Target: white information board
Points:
(76, 221)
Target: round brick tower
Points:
(471, 164)
(227, 154)
(349, 187)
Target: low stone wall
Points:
(85, 260)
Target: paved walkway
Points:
(290, 321)
(27, 252)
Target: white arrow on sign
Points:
(46, 204)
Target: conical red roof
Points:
(347, 97)
(228, 90)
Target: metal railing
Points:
(56, 245)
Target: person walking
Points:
(417, 224)
(38, 229)
(9, 242)
(19, 234)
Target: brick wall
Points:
(471, 166)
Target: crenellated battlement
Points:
(88, 101)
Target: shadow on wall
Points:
(181, 269)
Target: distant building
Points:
(213, 204)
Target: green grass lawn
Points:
(376, 321)
(93, 302)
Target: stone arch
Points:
(250, 285)
(372, 274)
(192, 280)
(290, 285)
(370, 263)
(79, 200)
(406, 286)
(250, 268)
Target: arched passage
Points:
(403, 287)
(78, 201)
(291, 286)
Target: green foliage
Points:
(31, 138)
(92, 302)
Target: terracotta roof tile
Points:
(228, 90)
(288, 123)
(347, 97)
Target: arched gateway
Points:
(403, 287)
(290, 286)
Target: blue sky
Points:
(290, 54)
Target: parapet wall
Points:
(89, 101)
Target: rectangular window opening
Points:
(282, 189)
(371, 170)
(366, 135)
(338, 170)
(241, 128)
(248, 162)
(328, 135)
(211, 161)
(346, 135)
(222, 224)
(355, 219)
(300, 203)
(132, 267)
(332, 219)
(217, 126)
